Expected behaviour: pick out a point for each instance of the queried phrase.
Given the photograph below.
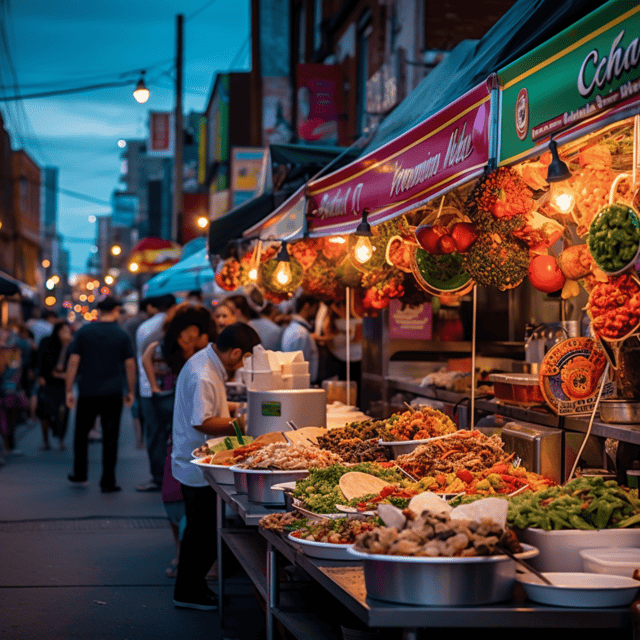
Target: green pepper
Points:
(578, 523)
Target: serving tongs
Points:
(525, 565)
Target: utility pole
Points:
(178, 163)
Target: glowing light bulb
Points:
(282, 274)
(253, 274)
(563, 198)
(337, 239)
(363, 251)
(133, 267)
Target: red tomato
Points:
(428, 236)
(446, 244)
(545, 274)
(464, 235)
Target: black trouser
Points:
(157, 413)
(198, 547)
(109, 408)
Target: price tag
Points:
(272, 409)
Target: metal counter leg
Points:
(272, 589)
(220, 524)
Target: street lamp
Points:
(141, 93)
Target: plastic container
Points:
(614, 561)
(560, 550)
(520, 389)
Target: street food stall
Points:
(519, 203)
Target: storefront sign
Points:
(248, 167)
(410, 323)
(160, 134)
(448, 149)
(319, 99)
(571, 81)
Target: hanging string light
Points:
(255, 262)
(282, 273)
(363, 249)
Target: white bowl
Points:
(585, 590)
(560, 550)
(220, 473)
(321, 550)
(614, 562)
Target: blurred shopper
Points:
(41, 324)
(269, 331)
(224, 314)
(52, 359)
(156, 432)
(201, 411)
(130, 325)
(12, 399)
(297, 335)
(187, 329)
(103, 362)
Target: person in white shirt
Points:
(297, 334)
(156, 431)
(201, 411)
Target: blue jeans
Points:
(157, 416)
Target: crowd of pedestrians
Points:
(169, 362)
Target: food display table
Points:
(257, 551)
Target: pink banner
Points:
(448, 149)
(410, 323)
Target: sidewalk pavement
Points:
(77, 564)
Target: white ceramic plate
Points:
(322, 550)
(584, 590)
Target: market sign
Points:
(445, 150)
(584, 74)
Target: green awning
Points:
(307, 154)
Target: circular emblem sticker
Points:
(522, 114)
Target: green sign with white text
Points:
(584, 73)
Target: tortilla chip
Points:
(486, 509)
(428, 501)
(304, 435)
(356, 484)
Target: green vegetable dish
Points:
(614, 237)
(320, 491)
(583, 503)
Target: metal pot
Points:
(441, 582)
(620, 411)
(260, 481)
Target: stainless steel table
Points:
(257, 549)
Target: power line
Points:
(60, 92)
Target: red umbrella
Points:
(152, 255)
